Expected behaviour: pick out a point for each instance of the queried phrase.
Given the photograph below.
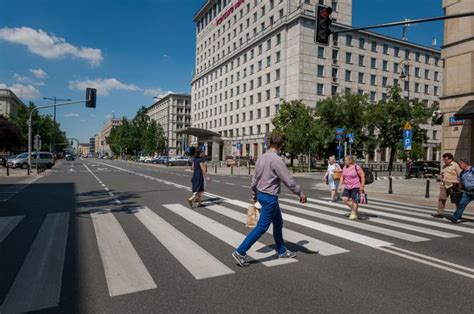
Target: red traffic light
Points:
(324, 13)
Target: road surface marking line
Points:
(410, 219)
(194, 258)
(107, 189)
(312, 244)
(410, 209)
(259, 251)
(246, 186)
(124, 270)
(337, 232)
(433, 259)
(111, 194)
(38, 283)
(353, 224)
(118, 202)
(7, 224)
(217, 181)
(229, 183)
(427, 262)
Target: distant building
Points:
(84, 149)
(173, 112)
(104, 148)
(457, 101)
(92, 146)
(9, 103)
(251, 54)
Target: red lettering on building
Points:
(229, 11)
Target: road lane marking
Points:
(337, 232)
(258, 251)
(445, 225)
(38, 283)
(393, 223)
(228, 183)
(124, 270)
(194, 258)
(429, 263)
(311, 244)
(7, 224)
(353, 224)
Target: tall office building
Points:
(173, 113)
(252, 53)
(9, 103)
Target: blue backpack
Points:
(467, 179)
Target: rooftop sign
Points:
(229, 11)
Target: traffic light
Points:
(323, 21)
(91, 94)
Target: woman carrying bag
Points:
(352, 180)
(198, 180)
(332, 178)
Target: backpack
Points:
(369, 176)
(467, 180)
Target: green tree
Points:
(388, 117)
(348, 111)
(296, 121)
(10, 135)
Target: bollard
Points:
(231, 170)
(215, 168)
(8, 171)
(376, 175)
(249, 168)
(28, 169)
(427, 194)
(390, 190)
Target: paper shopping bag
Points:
(253, 214)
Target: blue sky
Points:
(132, 49)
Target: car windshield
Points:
(21, 156)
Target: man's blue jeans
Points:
(270, 213)
(465, 200)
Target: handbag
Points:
(362, 198)
(455, 196)
(253, 214)
(337, 174)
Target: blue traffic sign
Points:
(203, 148)
(239, 146)
(339, 137)
(407, 133)
(407, 143)
(350, 137)
(340, 131)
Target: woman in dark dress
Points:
(199, 169)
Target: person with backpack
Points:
(332, 177)
(466, 179)
(353, 181)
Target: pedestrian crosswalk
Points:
(316, 227)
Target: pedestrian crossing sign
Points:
(407, 126)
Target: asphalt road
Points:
(114, 237)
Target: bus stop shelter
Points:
(213, 142)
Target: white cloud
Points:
(156, 92)
(104, 86)
(71, 115)
(28, 92)
(22, 79)
(39, 73)
(49, 46)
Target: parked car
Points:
(21, 160)
(424, 168)
(70, 157)
(179, 161)
(240, 161)
(147, 160)
(160, 160)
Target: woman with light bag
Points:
(332, 177)
(353, 181)
(198, 179)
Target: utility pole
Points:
(52, 146)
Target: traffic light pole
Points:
(30, 122)
(424, 20)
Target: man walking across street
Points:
(449, 178)
(467, 181)
(270, 170)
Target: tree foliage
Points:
(43, 125)
(10, 135)
(388, 117)
(140, 135)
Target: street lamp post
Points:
(52, 145)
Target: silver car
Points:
(21, 160)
